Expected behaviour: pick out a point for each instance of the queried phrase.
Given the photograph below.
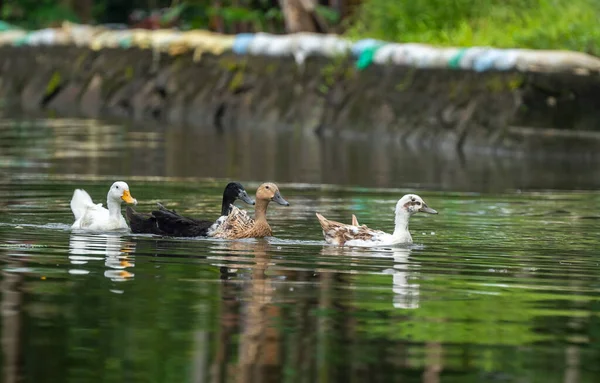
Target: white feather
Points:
(80, 202)
(406, 206)
(94, 217)
(213, 228)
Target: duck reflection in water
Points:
(406, 290)
(111, 248)
(267, 305)
(267, 294)
(250, 310)
(260, 340)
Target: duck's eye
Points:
(117, 186)
(266, 187)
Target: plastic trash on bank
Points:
(367, 56)
(303, 45)
(161, 39)
(442, 56)
(201, 42)
(486, 60)
(265, 44)
(314, 44)
(507, 60)
(9, 37)
(417, 55)
(361, 45)
(556, 61)
(47, 36)
(140, 38)
(4, 26)
(470, 56)
(384, 55)
(242, 42)
(482, 59)
(80, 34)
(111, 39)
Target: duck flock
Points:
(234, 223)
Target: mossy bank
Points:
(437, 109)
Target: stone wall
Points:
(435, 109)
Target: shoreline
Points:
(514, 112)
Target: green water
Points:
(501, 286)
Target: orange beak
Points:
(127, 197)
(125, 274)
(126, 264)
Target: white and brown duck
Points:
(341, 234)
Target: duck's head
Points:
(270, 192)
(119, 192)
(235, 190)
(411, 204)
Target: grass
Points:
(538, 24)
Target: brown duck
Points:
(239, 224)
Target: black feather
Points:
(142, 223)
(167, 222)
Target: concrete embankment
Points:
(518, 110)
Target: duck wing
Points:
(94, 217)
(142, 223)
(338, 233)
(175, 225)
(237, 224)
(80, 203)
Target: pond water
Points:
(502, 286)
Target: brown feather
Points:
(239, 224)
(340, 233)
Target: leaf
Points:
(330, 15)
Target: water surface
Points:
(501, 286)
(48, 147)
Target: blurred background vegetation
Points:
(542, 24)
(150, 14)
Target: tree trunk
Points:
(300, 16)
(216, 21)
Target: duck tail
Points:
(80, 202)
(354, 221)
(162, 207)
(323, 221)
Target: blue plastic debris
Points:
(4, 26)
(361, 45)
(454, 62)
(366, 57)
(241, 43)
(485, 61)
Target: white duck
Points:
(93, 217)
(340, 234)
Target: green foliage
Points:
(540, 24)
(329, 14)
(197, 14)
(53, 83)
(36, 13)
